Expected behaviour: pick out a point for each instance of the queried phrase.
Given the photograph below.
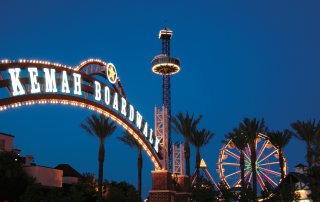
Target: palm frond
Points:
(305, 130)
(238, 138)
(200, 138)
(251, 128)
(129, 140)
(185, 125)
(101, 126)
(87, 129)
(280, 138)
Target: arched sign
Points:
(39, 82)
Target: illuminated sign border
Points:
(31, 82)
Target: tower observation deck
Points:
(166, 66)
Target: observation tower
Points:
(166, 66)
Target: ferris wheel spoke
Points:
(232, 154)
(262, 149)
(244, 153)
(268, 179)
(270, 163)
(238, 182)
(246, 156)
(260, 181)
(267, 156)
(271, 171)
(232, 174)
(250, 177)
(248, 150)
(230, 164)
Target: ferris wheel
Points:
(267, 164)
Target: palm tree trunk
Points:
(242, 166)
(254, 167)
(187, 156)
(101, 159)
(198, 157)
(281, 162)
(309, 155)
(139, 173)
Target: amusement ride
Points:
(228, 165)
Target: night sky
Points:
(238, 59)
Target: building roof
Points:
(297, 177)
(300, 165)
(68, 171)
(1, 133)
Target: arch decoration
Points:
(94, 84)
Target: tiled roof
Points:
(1, 133)
(68, 171)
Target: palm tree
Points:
(251, 129)
(200, 139)
(101, 127)
(317, 148)
(280, 140)
(129, 140)
(307, 132)
(239, 140)
(185, 125)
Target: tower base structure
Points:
(169, 188)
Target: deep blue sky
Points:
(239, 58)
